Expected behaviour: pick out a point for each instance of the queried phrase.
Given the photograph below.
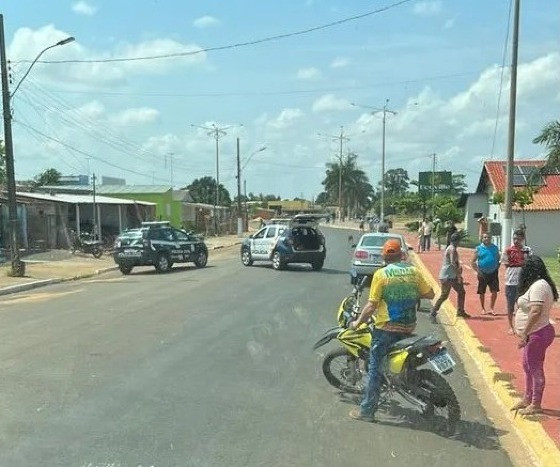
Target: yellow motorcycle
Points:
(346, 367)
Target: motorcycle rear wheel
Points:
(342, 370)
(443, 409)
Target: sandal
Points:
(531, 410)
(493, 313)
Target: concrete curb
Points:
(535, 438)
(45, 282)
(229, 245)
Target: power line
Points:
(79, 151)
(266, 93)
(501, 80)
(232, 46)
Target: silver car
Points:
(368, 256)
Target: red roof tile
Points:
(546, 199)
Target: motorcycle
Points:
(425, 388)
(87, 244)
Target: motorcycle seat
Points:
(403, 343)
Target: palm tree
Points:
(356, 191)
(550, 137)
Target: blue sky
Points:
(437, 61)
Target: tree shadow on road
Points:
(173, 270)
(471, 433)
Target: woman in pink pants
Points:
(536, 294)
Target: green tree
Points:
(357, 193)
(323, 199)
(396, 182)
(458, 184)
(203, 190)
(47, 178)
(550, 138)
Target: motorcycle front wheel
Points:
(443, 410)
(345, 371)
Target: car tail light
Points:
(361, 254)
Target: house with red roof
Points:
(541, 218)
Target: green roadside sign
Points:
(442, 182)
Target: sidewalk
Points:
(60, 265)
(498, 358)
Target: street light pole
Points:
(239, 169)
(18, 266)
(385, 111)
(507, 225)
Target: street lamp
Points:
(18, 267)
(385, 111)
(239, 169)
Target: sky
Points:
(437, 62)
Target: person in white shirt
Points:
(536, 295)
(427, 228)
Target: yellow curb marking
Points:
(37, 297)
(537, 440)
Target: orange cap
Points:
(391, 247)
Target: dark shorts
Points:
(488, 280)
(511, 296)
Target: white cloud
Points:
(135, 116)
(84, 8)
(93, 110)
(427, 8)
(339, 62)
(308, 73)
(285, 119)
(449, 23)
(27, 43)
(205, 22)
(330, 103)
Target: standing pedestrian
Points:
(439, 229)
(536, 295)
(450, 230)
(427, 227)
(362, 225)
(450, 276)
(383, 226)
(513, 259)
(486, 262)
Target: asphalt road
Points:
(209, 367)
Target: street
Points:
(203, 367)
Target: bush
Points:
(412, 226)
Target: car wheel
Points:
(201, 260)
(277, 261)
(318, 265)
(126, 270)
(162, 263)
(246, 258)
(97, 252)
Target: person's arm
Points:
(474, 261)
(505, 259)
(375, 295)
(535, 312)
(426, 291)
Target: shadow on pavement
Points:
(173, 270)
(472, 433)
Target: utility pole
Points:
(169, 156)
(341, 138)
(217, 133)
(385, 111)
(94, 209)
(239, 216)
(434, 156)
(18, 266)
(507, 224)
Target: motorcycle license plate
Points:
(442, 362)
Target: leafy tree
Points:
(458, 184)
(396, 182)
(322, 198)
(357, 194)
(203, 190)
(550, 138)
(47, 178)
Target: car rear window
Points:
(377, 241)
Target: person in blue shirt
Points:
(486, 262)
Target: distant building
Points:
(112, 181)
(81, 180)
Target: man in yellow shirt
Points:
(394, 293)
